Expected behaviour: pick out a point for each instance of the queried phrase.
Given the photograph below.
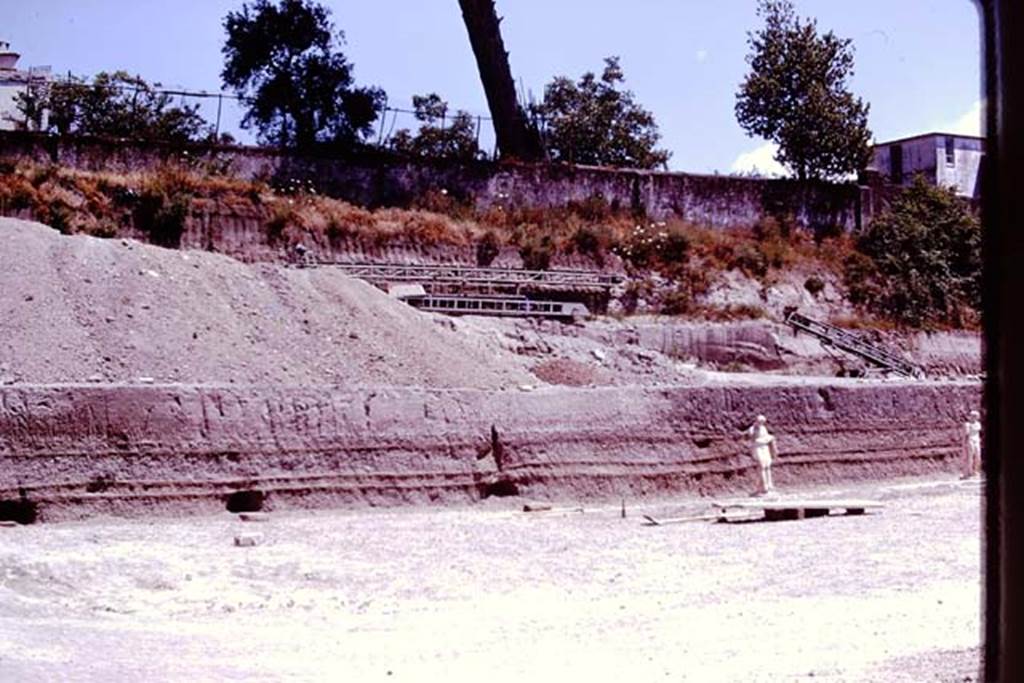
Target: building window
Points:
(896, 164)
(950, 151)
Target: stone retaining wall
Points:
(384, 180)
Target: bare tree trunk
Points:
(516, 138)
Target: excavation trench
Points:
(316, 447)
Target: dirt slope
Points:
(87, 309)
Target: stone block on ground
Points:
(248, 540)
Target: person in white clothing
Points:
(972, 445)
(763, 451)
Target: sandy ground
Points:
(492, 593)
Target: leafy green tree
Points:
(62, 104)
(920, 261)
(595, 122)
(797, 96)
(300, 90)
(113, 105)
(439, 135)
(30, 105)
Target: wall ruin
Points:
(724, 202)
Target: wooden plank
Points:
(786, 504)
(783, 514)
(254, 516)
(709, 517)
(543, 507)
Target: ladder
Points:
(851, 343)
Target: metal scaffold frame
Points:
(475, 276)
(851, 343)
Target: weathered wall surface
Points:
(74, 450)
(770, 346)
(717, 201)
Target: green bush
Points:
(690, 283)
(776, 239)
(654, 246)
(733, 312)
(919, 263)
(636, 290)
(58, 217)
(639, 247)
(43, 174)
(537, 252)
(487, 249)
(443, 202)
(594, 208)
(814, 285)
(336, 231)
(750, 259)
(586, 241)
(674, 248)
(593, 241)
(679, 301)
(278, 222)
(104, 228)
(19, 195)
(163, 206)
(163, 217)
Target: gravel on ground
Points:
(494, 593)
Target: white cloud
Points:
(702, 55)
(760, 161)
(970, 123)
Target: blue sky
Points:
(917, 61)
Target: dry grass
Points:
(864, 322)
(97, 200)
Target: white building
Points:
(942, 158)
(14, 81)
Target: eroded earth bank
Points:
(138, 379)
(75, 449)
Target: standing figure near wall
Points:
(972, 445)
(763, 451)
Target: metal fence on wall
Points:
(224, 113)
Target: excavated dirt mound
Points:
(79, 309)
